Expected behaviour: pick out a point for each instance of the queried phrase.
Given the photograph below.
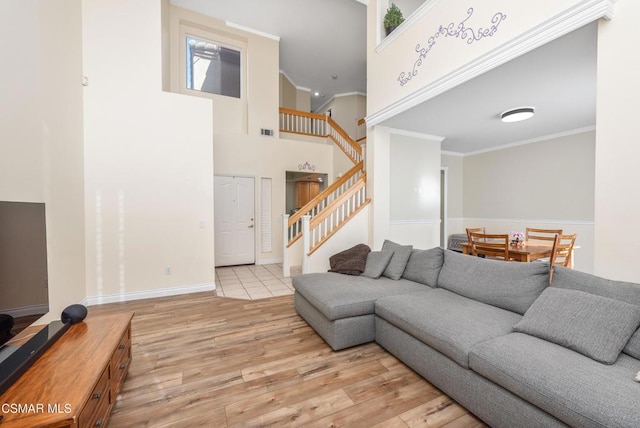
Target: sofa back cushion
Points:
(592, 325)
(398, 262)
(424, 266)
(508, 285)
(620, 290)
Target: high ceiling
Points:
(322, 39)
(318, 39)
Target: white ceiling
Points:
(319, 39)
(557, 79)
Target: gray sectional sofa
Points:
(492, 335)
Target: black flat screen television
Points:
(23, 287)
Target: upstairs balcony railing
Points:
(318, 125)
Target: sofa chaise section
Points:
(340, 308)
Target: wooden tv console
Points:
(75, 382)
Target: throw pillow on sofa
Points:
(595, 326)
(351, 261)
(377, 262)
(398, 262)
(424, 266)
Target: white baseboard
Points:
(25, 311)
(148, 294)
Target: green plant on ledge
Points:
(392, 18)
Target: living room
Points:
(115, 183)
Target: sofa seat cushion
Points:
(570, 386)
(447, 322)
(510, 286)
(339, 296)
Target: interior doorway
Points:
(234, 220)
(301, 188)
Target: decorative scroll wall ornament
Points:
(459, 31)
(306, 167)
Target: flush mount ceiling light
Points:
(517, 114)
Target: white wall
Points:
(41, 154)
(240, 149)
(269, 157)
(414, 202)
(454, 164)
(617, 207)
(548, 184)
(149, 162)
(352, 233)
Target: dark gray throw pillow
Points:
(377, 262)
(595, 326)
(398, 262)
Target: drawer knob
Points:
(97, 395)
(98, 423)
(122, 367)
(121, 346)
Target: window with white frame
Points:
(212, 68)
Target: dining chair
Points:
(471, 230)
(493, 246)
(547, 235)
(561, 252)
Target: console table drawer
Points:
(120, 362)
(99, 396)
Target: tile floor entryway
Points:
(252, 282)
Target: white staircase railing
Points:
(318, 125)
(325, 214)
(321, 201)
(325, 224)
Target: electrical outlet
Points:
(167, 270)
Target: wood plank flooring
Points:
(201, 360)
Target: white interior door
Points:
(234, 220)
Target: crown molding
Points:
(534, 140)
(252, 31)
(413, 134)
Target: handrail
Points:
(322, 195)
(320, 202)
(352, 149)
(302, 113)
(315, 220)
(336, 215)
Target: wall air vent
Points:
(267, 132)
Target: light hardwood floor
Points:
(201, 360)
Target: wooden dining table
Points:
(527, 251)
